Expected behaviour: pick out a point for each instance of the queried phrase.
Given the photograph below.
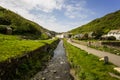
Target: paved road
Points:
(115, 59)
(58, 68)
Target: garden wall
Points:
(98, 43)
(116, 44)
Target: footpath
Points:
(115, 59)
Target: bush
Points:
(85, 37)
(111, 38)
(2, 29)
(5, 21)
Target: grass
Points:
(88, 66)
(13, 46)
(107, 49)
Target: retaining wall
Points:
(23, 67)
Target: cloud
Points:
(46, 12)
(49, 5)
(77, 9)
(44, 5)
(23, 7)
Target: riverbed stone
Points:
(43, 78)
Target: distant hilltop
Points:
(100, 26)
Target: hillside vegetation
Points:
(100, 25)
(14, 46)
(21, 26)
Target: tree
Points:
(85, 36)
(5, 21)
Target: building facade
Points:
(115, 33)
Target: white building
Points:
(60, 36)
(115, 33)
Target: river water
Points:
(58, 68)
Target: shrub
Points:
(2, 29)
(111, 38)
(5, 21)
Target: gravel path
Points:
(58, 67)
(115, 59)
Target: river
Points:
(58, 67)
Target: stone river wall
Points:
(25, 66)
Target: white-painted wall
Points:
(115, 34)
(60, 36)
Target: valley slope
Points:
(21, 26)
(100, 25)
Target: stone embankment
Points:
(21, 67)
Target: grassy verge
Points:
(15, 64)
(13, 46)
(107, 49)
(88, 66)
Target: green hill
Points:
(100, 26)
(21, 26)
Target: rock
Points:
(62, 62)
(45, 71)
(118, 53)
(43, 78)
(114, 75)
(54, 71)
(117, 69)
(9, 30)
(101, 59)
(57, 77)
(65, 72)
(106, 59)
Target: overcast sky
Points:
(61, 15)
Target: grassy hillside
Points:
(14, 46)
(20, 25)
(100, 25)
(23, 58)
